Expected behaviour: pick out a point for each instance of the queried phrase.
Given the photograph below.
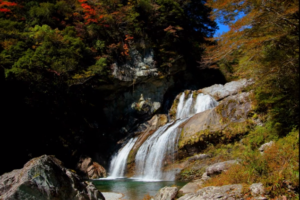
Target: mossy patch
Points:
(173, 109)
(231, 132)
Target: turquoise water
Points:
(133, 189)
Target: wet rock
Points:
(154, 123)
(217, 168)
(151, 126)
(265, 146)
(90, 168)
(230, 116)
(45, 178)
(166, 193)
(226, 192)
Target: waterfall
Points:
(150, 156)
(159, 148)
(163, 142)
(185, 110)
(118, 163)
(180, 105)
(204, 102)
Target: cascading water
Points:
(151, 156)
(118, 163)
(185, 110)
(204, 102)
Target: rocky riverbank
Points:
(45, 178)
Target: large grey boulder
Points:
(191, 187)
(45, 178)
(226, 192)
(209, 125)
(217, 168)
(166, 193)
(219, 91)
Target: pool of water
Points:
(133, 189)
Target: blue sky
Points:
(222, 28)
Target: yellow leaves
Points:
(6, 44)
(86, 74)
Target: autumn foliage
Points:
(6, 6)
(262, 44)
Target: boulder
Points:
(257, 189)
(191, 187)
(224, 122)
(45, 178)
(95, 171)
(219, 91)
(217, 168)
(226, 192)
(265, 146)
(166, 193)
(90, 168)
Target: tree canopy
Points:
(262, 45)
(74, 40)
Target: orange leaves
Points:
(128, 37)
(126, 50)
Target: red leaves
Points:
(5, 10)
(91, 13)
(6, 4)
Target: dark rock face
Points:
(44, 178)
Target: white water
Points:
(180, 105)
(151, 156)
(204, 102)
(118, 163)
(186, 109)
